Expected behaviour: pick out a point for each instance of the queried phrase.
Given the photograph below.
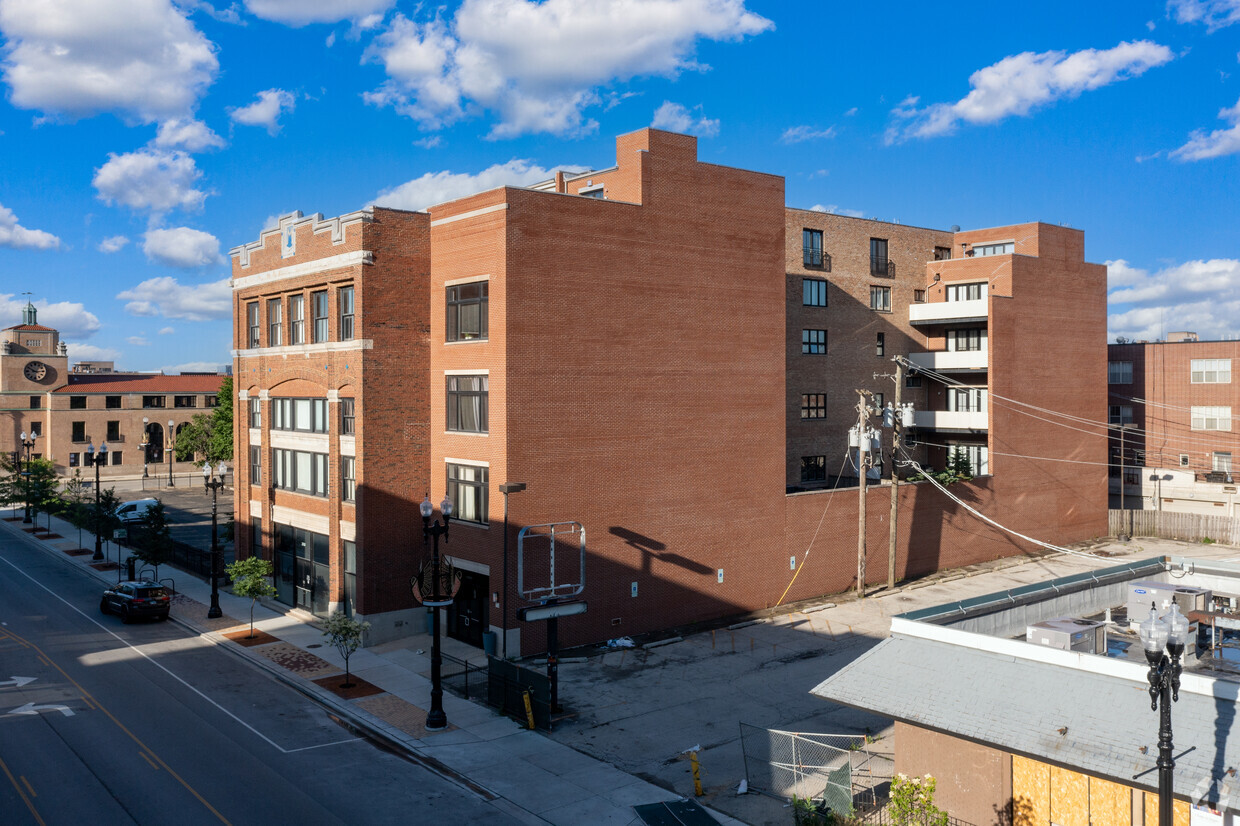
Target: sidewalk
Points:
(534, 779)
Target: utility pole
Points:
(897, 421)
(863, 464)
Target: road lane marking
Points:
(29, 788)
(89, 704)
(149, 760)
(31, 708)
(22, 794)
(18, 682)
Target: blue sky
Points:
(141, 139)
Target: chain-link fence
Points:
(838, 770)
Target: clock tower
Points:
(32, 358)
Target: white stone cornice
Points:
(318, 265)
(354, 345)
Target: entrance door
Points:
(468, 617)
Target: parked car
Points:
(134, 511)
(141, 598)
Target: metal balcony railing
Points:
(816, 259)
(882, 266)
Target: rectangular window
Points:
(75, 459)
(318, 306)
(348, 422)
(79, 431)
(912, 380)
(467, 311)
(112, 402)
(1183, 460)
(1119, 372)
(116, 456)
(942, 253)
(813, 468)
(1211, 418)
(77, 402)
(256, 413)
(811, 243)
(348, 478)
(966, 399)
(1120, 414)
(880, 299)
(959, 341)
(306, 415)
(978, 457)
(983, 250)
(35, 402)
(467, 488)
(813, 405)
(1210, 371)
(251, 323)
(184, 401)
(814, 342)
(256, 465)
(296, 319)
(36, 429)
(966, 292)
(467, 403)
(880, 345)
(211, 401)
(299, 471)
(879, 263)
(878, 400)
(1222, 462)
(344, 298)
(114, 431)
(919, 296)
(275, 322)
(153, 401)
(813, 292)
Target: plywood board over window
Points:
(1031, 792)
(1180, 813)
(1069, 797)
(1110, 804)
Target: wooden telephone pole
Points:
(898, 420)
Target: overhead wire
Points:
(810, 547)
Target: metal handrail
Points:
(882, 266)
(816, 259)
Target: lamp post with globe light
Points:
(97, 459)
(435, 585)
(1156, 635)
(213, 480)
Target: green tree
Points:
(345, 633)
(209, 435)
(103, 519)
(11, 490)
(250, 579)
(912, 802)
(153, 542)
(42, 488)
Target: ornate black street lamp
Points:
(1172, 634)
(171, 447)
(97, 459)
(145, 444)
(27, 445)
(214, 484)
(435, 585)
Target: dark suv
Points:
(136, 599)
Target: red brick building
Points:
(627, 344)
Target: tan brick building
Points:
(136, 415)
(628, 344)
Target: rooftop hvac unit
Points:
(1070, 634)
(1193, 599)
(1141, 594)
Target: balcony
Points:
(953, 420)
(816, 259)
(884, 267)
(941, 312)
(942, 361)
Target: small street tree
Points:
(103, 519)
(153, 543)
(42, 488)
(345, 633)
(11, 491)
(250, 579)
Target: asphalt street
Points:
(149, 724)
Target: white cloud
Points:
(1215, 14)
(265, 111)
(438, 187)
(188, 134)
(167, 297)
(298, 13)
(138, 341)
(181, 247)
(150, 179)
(167, 331)
(113, 244)
(71, 319)
(429, 143)
(1202, 296)
(141, 59)
(797, 134)
(15, 236)
(194, 367)
(538, 65)
(1018, 84)
(1220, 142)
(676, 118)
(850, 112)
(89, 352)
(832, 209)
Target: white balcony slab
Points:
(938, 312)
(942, 360)
(950, 420)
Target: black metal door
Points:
(468, 617)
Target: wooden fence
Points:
(1191, 527)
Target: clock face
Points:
(36, 370)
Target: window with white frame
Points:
(880, 299)
(966, 292)
(251, 320)
(467, 488)
(977, 455)
(256, 465)
(348, 419)
(275, 322)
(344, 298)
(256, 413)
(1119, 372)
(1003, 248)
(965, 340)
(1120, 414)
(1210, 371)
(318, 306)
(966, 399)
(1210, 418)
(1222, 462)
(348, 478)
(297, 319)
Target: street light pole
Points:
(171, 448)
(507, 488)
(97, 459)
(27, 445)
(1164, 677)
(214, 485)
(146, 448)
(436, 719)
